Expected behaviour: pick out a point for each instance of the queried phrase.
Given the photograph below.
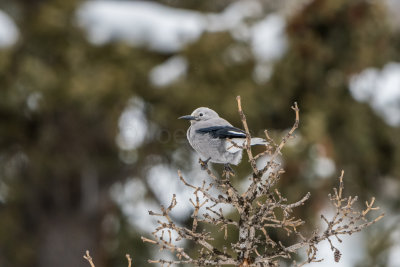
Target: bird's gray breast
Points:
(210, 147)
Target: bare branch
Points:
(248, 136)
(88, 258)
(128, 257)
(259, 209)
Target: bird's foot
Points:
(228, 171)
(203, 164)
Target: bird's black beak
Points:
(187, 117)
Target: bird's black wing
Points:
(223, 132)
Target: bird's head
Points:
(200, 114)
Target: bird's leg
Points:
(204, 163)
(228, 170)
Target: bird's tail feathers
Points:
(258, 141)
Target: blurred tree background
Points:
(88, 128)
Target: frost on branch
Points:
(261, 208)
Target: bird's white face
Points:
(203, 114)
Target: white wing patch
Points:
(258, 141)
(237, 133)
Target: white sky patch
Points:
(233, 16)
(168, 72)
(165, 182)
(130, 196)
(262, 73)
(268, 43)
(381, 89)
(33, 100)
(132, 125)
(8, 30)
(393, 257)
(393, 7)
(391, 187)
(268, 38)
(157, 26)
(196, 176)
(324, 167)
(352, 247)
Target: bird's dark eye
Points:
(201, 114)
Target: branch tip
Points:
(89, 258)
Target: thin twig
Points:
(88, 258)
(128, 257)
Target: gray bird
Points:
(215, 139)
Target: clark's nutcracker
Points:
(215, 139)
